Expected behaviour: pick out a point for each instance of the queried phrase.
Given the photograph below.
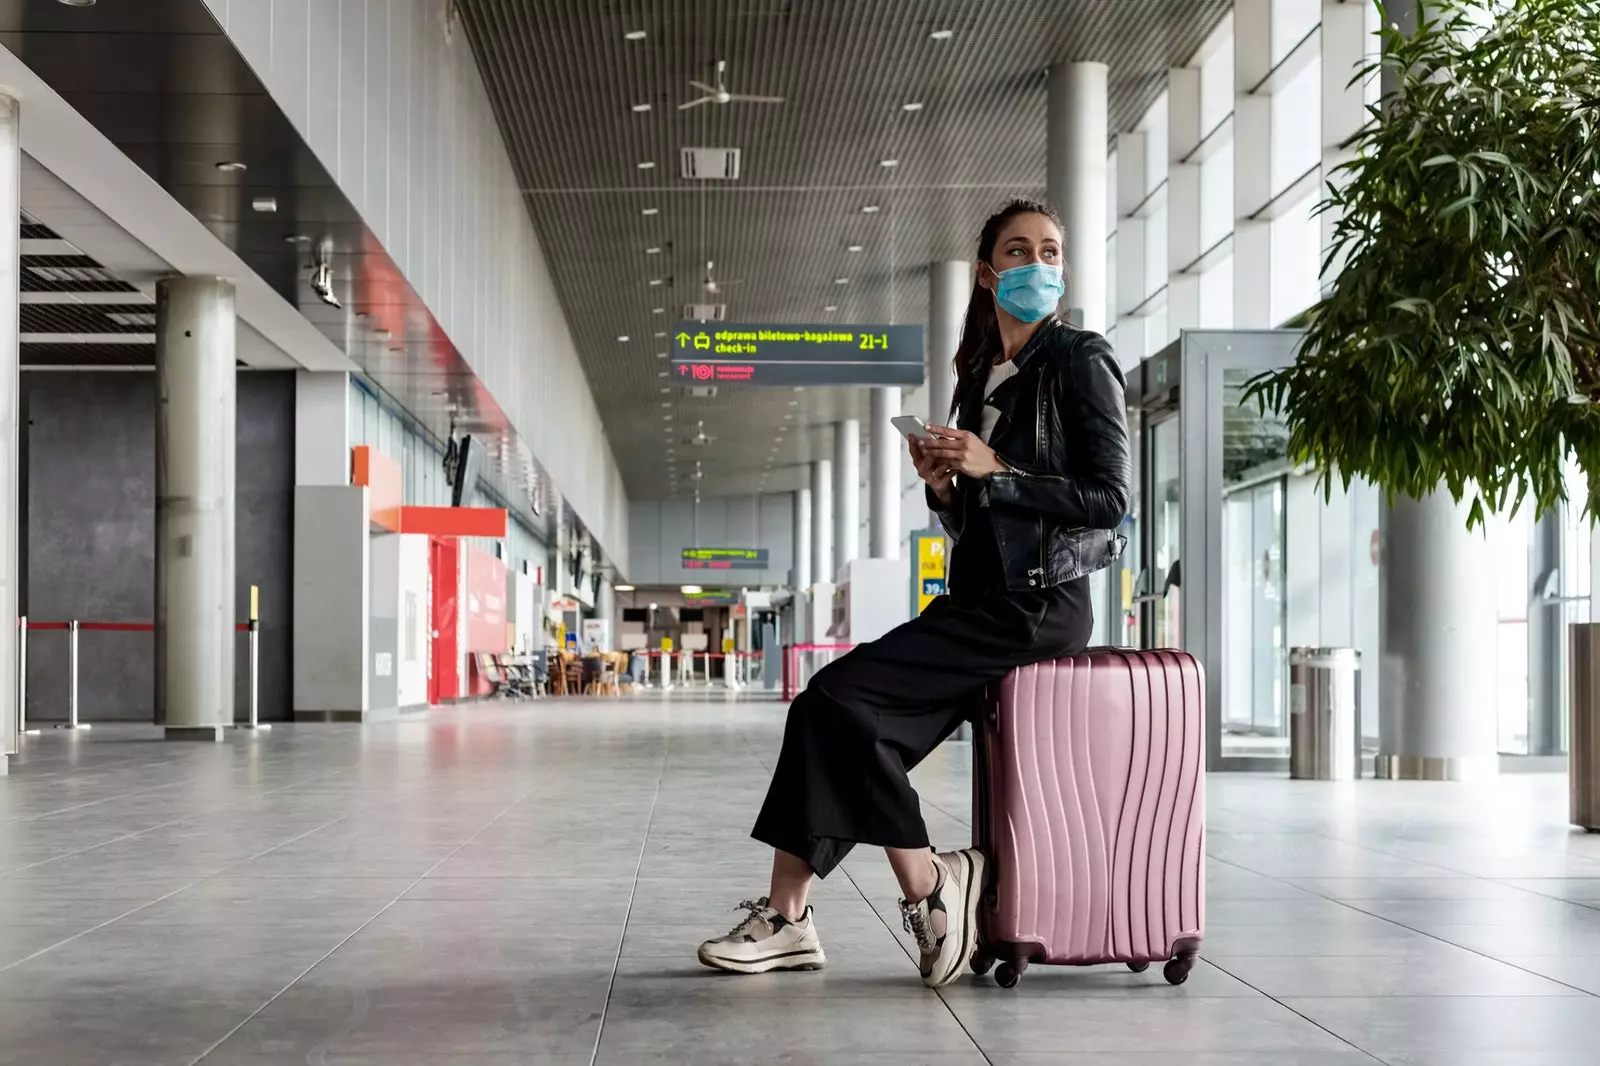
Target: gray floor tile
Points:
(1398, 1025)
(514, 835)
(1007, 1025)
(1449, 972)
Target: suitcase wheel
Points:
(1007, 974)
(1177, 971)
(1138, 967)
(981, 962)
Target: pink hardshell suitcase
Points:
(1089, 801)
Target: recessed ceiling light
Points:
(647, 164)
(652, 211)
(229, 166)
(666, 418)
(942, 35)
(640, 109)
(856, 248)
(831, 307)
(635, 35)
(913, 106)
(623, 339)
(665, 391)
(667, 403)
(658, 310)
(870, 209)
(265, 204)
(841, 281)
(794, 403)
(297, 238)
(660, 335)
(661, 373)
(78, 3)
(652, 251)
(661, 355)
(888, 163)
(657, 281)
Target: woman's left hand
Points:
(963, 452)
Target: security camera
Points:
(322, 284)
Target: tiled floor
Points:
(526, 884)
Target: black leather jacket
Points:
(1063, 432)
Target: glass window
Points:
(1296, 251)
(1216, 81)
(1216, 296)
(1297, 127)
(1292, 22)
(1216, 197)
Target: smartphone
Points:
(911, 426)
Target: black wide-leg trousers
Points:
(867, 719)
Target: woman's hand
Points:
(962, 452)
(933, 471)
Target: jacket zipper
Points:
(1038, 463)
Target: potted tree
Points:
(1458, 345)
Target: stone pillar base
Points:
(1436, 767)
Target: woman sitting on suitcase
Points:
(1031, 484)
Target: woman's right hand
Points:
(931, 469)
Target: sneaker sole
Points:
(972, 895)
(787, 960)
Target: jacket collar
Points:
(1005, 398)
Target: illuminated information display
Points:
(723, 353)
(724, 558)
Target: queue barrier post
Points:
(72, 678)
(253, 635)
(22, 678)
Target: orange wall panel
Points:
(454, 521)
(381, 477)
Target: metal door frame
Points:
(1203, 357)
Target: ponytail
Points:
(980, 330)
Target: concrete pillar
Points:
(195, 440)
(847, 490)
(1437, 701)
(10, 422)
(322, 428)
(1075, 182)
(883, 474)
(802, 539)
(949, 291)
(822, 569)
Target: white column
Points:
(1437, 708)
(949, 291)
(884, 473)
(322, 428)
(195, 441)
(822, 570)
(1075, 182)
(10, 420)
(847, 488)
(1253, 60)
(1183, 200)
(802, 539)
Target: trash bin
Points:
(1583, 763)
(1324, 714)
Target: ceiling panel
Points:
(565, 81)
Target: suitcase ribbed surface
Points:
(1097, 807)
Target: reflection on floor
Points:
(526, 884)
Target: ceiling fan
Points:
(712, 285)
(719, 94)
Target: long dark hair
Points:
(980, 333)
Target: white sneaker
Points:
(764, 941)
(945, 924)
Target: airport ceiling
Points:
(588, 92)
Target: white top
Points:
(999, 374)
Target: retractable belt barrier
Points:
(74, 627)
(791, 664)
(686, 660)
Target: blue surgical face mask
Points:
(1029, 293)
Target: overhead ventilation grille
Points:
(711, 164)
(705, 312)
